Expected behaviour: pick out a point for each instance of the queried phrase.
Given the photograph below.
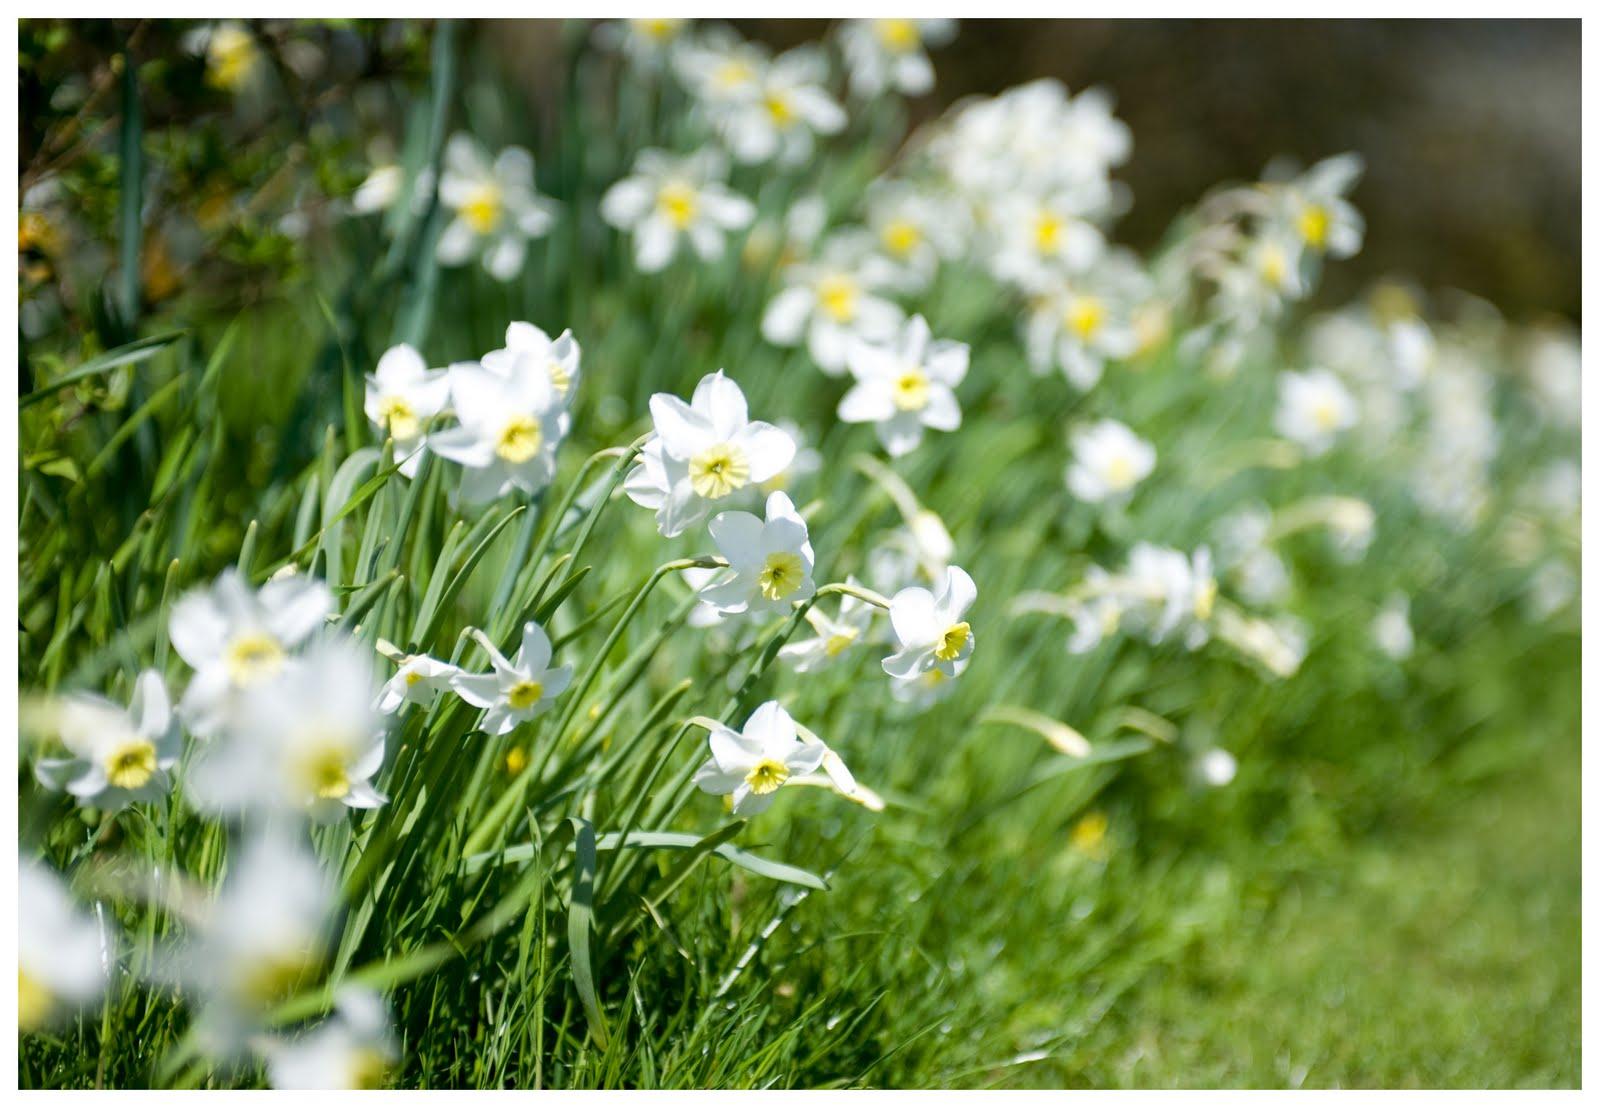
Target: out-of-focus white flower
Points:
(914, 230)
(646, 43)
(62, 954)
(529, 350)
(1164, 593)
(892, 53)
(1313, 408)
(1314, 206)
(807, 460)
(511, 423)
(769, 562)
(353, 1050)
(402, 396)
(262, 935)
(384, 186)
(309, 740)
(1552, 588)
(419, 680)
(1041, 240)
(1555, 369)
(753, 764)
(1258, 572)
(1278, 644)
(831, 301)
(1108, 460)
(1391, 628)
(788, 109)
(835, 635)
(929, 629)
(514, 691)
(235, 638)
(233, 60)
(671, 200)
(116, 755)
(1215, 767)
(720, 68)
(1253, 287)
(497, 209)
(1087, 320)
(905, 384)
(922, 691)
(702, 453)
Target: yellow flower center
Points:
(1205, 598)
(482, 209)
(252, 657)
(1119, 472)
(413, 679)
(678, 202)
(717, 471)
(658, 29)
(34, 1001)
(733, 73)
(898, 35)
(519, 439)
(1325, 414)
(131, 763)
(1089, 834)
(839, 642)
(779, 108)
(1274, 266)
(1312, 223)
(368, 1069)
(524, 695)
(1047, 230)
(781, 575)
(274, 977)
(952, 642)
(1085, 317)
(901, 237)
(837, 294)
(230, 56)
(910, 390)
(397, 414)
(766, 776)
(324, 772)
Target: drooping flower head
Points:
(753, 764)
(929, 627)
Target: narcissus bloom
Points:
(307, 741)
(703, 453)
(769, 563)
(419, 680)
(753, 764)
(1108, 460)
(514, 691)
(402, 396)
(892, 53)
(497, 209)
(788, 109)
(1087, 320)
(1041, 240)
(929, 628)
(62, 954)
(1313, 205)
(671, 201)
(1391, 627)
(1313, 408)
(914, 230)
(832, 301)
(236, 638)
(353, 1050)
(510, 427)
(835, 635)
(117, 756)
(529, 350)
(905, 384)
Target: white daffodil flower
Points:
(1215, 767)
(646, 43)
(262, 935)
(905, 384)
(769, 562)
(753, 764)
(1087, 321)
(1108, 460)
(354, 1049)
(721, 69)
(514, 691)
(402, 396)
(831, 301)
(236, 638)
(63, 955)
(233, 60)
(929, 629)
(1257, 571)
(1314, 206)
(419, 680)
(1041, 240)
(914, 231)
(1170, 593)
(669, 201)
(117, 755)
(384, 186)
(835, 635)
(497, 209)
(1391, 628)
(892, 53)
(511, 424)
(1314, 407)
(528, 349)
(702, 453)
(789, 108)
(308, 741)
(922, 691)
